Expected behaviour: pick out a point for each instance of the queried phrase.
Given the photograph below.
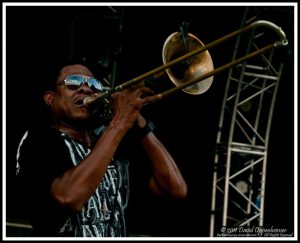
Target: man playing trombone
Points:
(71, 176)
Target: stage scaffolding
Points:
(240, 164)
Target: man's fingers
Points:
(151, 99)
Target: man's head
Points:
(65, 98)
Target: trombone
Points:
(197, 78)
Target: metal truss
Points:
(240, 165)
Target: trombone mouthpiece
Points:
(88, 100)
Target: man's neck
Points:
(81, 135)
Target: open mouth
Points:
(79, 103)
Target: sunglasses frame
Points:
(86, 79)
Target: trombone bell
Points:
(191, 68)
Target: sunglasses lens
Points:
(95, 84)
(74, 80)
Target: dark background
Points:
(187, 125)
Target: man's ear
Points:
(48, 97)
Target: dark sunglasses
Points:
(75, 82)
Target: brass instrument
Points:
(196, 78)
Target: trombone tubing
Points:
(204, 48)
(259, 23)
